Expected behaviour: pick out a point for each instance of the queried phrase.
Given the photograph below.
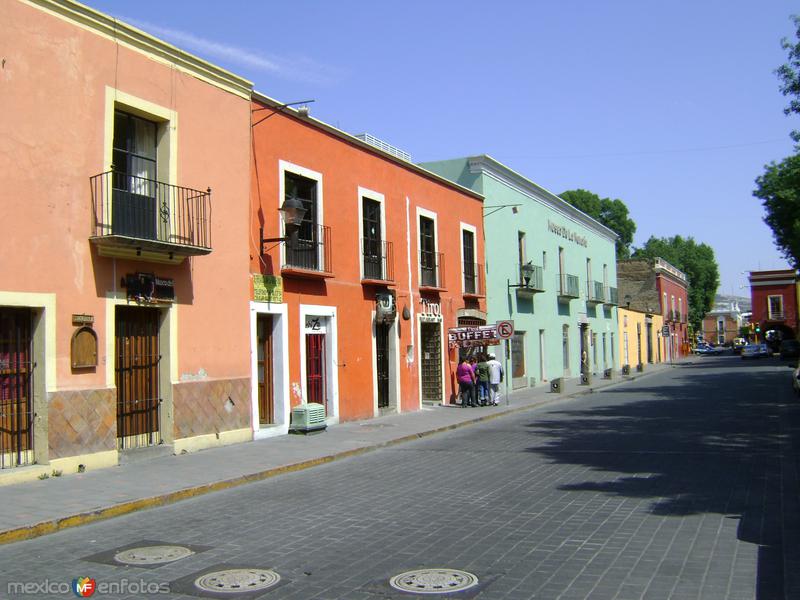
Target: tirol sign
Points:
(465, 337)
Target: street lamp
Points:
(292, 213)
(527, 271)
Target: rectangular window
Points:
(664, 305)
(775, 307)
(134, 202)
(372, 240)
(428, 257)
(521, 253)
(302, 250)
(468, 251)
(680, 307)
(544, 259)
(518, 359)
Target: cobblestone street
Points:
(665, 487)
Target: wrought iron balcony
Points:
(531, 279)
(568, 286)
(138, 217)
(594, 292)
(474, 280)
(431, 270)
(612, 296)
(308, 252)
(378, 260)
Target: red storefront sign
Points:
(465, 337)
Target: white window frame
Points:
(381, 199)
(288, 167)
(280, 360)
(474, 231)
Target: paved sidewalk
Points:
(41, 507)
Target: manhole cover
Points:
(433, 581)
(152, 555)
(235, 581)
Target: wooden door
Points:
(315, 369)
(137, 376)
(264, 358)
(16, 379)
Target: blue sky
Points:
(673, 107)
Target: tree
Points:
(611, 213)
(779, 188)
(789, 74)
(697, 261)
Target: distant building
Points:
(655, 286)
(774, 302)
(640, 339)
(722, 324)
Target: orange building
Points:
(351, 305)
(123, 230)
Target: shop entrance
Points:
(137, 377)
(431, 364)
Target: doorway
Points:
(431, 363)
(584, 346)
(382, 363)
(136, 368)
(16, 387)
(315, 369)
(265, 367)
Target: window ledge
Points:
(305, 273)
(386, 282)
(431, 288)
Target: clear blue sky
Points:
(672, 107)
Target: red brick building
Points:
(774, 300)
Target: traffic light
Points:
(758, 328)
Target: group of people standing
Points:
(479, 378)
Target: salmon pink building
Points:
(125, 169)
(352, 302)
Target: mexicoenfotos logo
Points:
(84, 586)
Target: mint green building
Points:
(550, 268)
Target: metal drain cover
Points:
(237, 581)
(152, 555)
(433, 581)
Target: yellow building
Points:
(640, 340)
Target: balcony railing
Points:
(568, 286)
(378, 257)
(309, 250)
(594, 292)
(612, 296)
(776, 316)
(531, 279)
(145, 214)
(431, 269)
(473, 279)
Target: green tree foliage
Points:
(611, 213)
(779, 188)
(699, 264)
(789, 74)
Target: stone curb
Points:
(27, 532)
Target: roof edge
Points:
(351, 139)
(113, 28)
(484, 162)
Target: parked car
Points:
(796, 379)
(790, 349)
(738, 344)
(763, 350)
(706, 348)
(752, 351)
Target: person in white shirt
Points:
(495, 378)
